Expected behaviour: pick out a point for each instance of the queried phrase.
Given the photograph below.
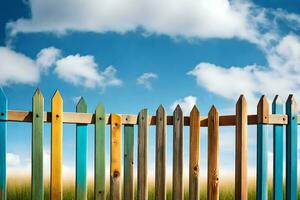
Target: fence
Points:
(81, 118)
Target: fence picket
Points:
(213, 155)
(37, 182)
(178, 190)
(241, 149)
(81, 154)
(3, 134)
(194, 154)
(56, 147)
(160, 158)
(277, 108)
(291, 149)
(142, 182)
(99, 168)
(115, 157)
(128, 162)
(262, 150)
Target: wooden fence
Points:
(117, 122)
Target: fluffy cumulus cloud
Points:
(192, 18)
(82, 70)
(280, 76)
(47, 57)
(145, 79)
(186, 104)
(78, 70)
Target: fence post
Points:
(241, 149)
(99, 155)
(56, 147)
(213, 155)
(142, 183)
(128, 162)
(81, 154)
(37, 178)
(262, 149)
(291, 149)
(3, 128)
(194, 154)
(160, 158)
(115, 157)
(178, 190)
(277, 108)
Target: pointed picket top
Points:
(241, 100)
(56, 96)
(100, 107)
(277, 100)
(213, 110)
(291, 100)
(263, 110)
(81, 105)
(37, 94)
(195, 110)
(160, 109)
(178, 108)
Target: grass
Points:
(19, 189)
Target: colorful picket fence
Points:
(241, 119)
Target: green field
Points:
(19, 189)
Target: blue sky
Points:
(140, 54)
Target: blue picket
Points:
(291, 149)
(81, 154)
(3, 125)
(277, 108)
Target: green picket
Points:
(128, 162)
(37, 185)
(99, 178)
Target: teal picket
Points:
(81, 154)
(3, 128)
(277, 108)
(291, 149)
(262, 150)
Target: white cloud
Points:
(47, 57)
(186, 104)
(82, 70)
(145, 80)
(281, 76)
(12, 159)
(17, 68)
(192, 18)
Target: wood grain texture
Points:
(213, 155)
(241, 186)
(291, 149)
(37, 182)
(88, 118)
(262, 150)
(115, 157)
(178, 187)
(194, 154)
(56, 147)
(142, 182)
(3, 141)
(81, 155)
(128, 162)
(277, 108)
(160, 158)
(99, 168)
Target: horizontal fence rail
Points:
(122, 173)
